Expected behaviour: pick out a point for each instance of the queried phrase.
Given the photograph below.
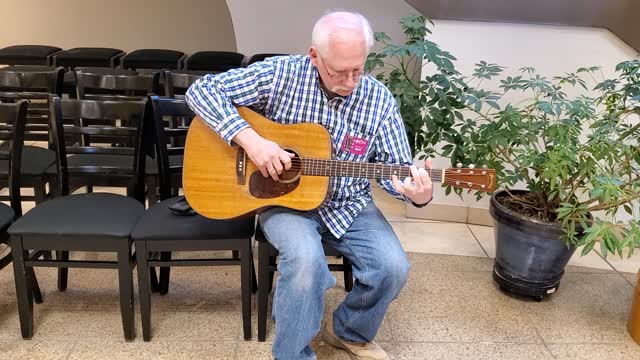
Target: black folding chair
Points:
(160, 230)
(92, 222)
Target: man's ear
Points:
(313, 54)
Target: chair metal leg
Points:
(263, 289)
(35, 288)
(39, 192)
(125, 282)
(246, 273)
(155, 284)
(165, 273)
(152, 189)
(348, 274)
(254, 278)
(23, 288)
(144, 288)
(63, 273)
(272, 262)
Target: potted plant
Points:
(568, 167)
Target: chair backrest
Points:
(88, 56)
(99, 120)
(153, 59)
(176, 83)
(92, 84)
(12, 124)
(214, 61)
(166, 137)
(34, 83)
(24, 78)
(260, 57)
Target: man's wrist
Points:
(419, 205)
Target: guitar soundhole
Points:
(266, 188)
(292, 174)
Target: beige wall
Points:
(185, 25)
(284, 26)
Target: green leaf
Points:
(587, 248)
(493, 104)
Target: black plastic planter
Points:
(530, 257)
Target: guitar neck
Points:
(338, 168)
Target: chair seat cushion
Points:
(83, 215)
(6, 216)
(35, 161)
(159, 223)
(152, 59)
(27, 54)
(86, 56)
(215, 60)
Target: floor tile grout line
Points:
(72, 350)
(478, 342)
(546, 346)
(614, 268)
(235, 349)
(478, 241)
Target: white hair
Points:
(334, 22)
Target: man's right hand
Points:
(267, 155)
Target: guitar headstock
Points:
(481, 179)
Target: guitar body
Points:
(221, 182)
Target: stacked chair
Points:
(34, 84)
(214, 61)
(154, 59)
(28, 55)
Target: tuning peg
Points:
(485, 167)
(459, 165)
(471, 166)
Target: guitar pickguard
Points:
(265, 188)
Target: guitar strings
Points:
(333, 168)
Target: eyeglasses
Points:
(343, 75)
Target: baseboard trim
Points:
(453, 213)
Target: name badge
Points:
(355, 145)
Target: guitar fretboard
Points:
(338, 168)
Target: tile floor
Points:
(450, 309)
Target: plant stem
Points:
(630, 131)
(614, 204)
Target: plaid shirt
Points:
(287, 89)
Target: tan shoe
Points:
(357, 351)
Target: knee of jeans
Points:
(309, 271)
(395, 271)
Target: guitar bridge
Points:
(241, 166)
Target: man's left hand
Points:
(417, 187)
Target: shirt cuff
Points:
(230, 127)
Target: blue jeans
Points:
(380, 267)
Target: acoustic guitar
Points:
(220, 182)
